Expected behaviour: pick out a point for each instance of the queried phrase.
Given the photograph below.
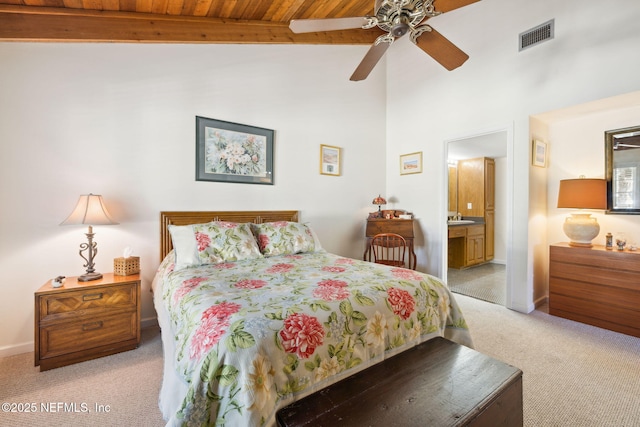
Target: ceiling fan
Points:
(397, 18)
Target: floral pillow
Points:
(212, 243)
(284, 238)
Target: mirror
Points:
(622, 170)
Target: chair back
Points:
(389, 249)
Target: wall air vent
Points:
(536, 35)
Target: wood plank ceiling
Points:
(178, 21)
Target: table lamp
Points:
(90, 210)
(582, 193)
(379, 201)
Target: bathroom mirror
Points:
(622, 170)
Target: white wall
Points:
(591, 57)
(119, 120)
(585, 134)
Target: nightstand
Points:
(86, 320)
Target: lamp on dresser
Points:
(90, 210)
(582, 193)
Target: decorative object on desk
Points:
(126, 265)
(57, 282)
(582, 193)
(411, 163)
(231, 152)
(90, 210)
(329, 160)
(621, 241)
(380, 201)
(609, 242)
(539, 154)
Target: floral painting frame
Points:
(233, 152)
(411, 163)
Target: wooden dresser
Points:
(596, 286)
(403, 227)
(85, 320)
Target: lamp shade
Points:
(379, 201)
(583, 193)
(89, 210)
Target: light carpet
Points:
(574, 375)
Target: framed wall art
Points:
(411, 163)
(232, 152)
(539, 155)
(330, 160)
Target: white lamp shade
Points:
(90, 210)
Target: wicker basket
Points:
(126, 266)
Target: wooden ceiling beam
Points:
(38, 24)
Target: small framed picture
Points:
(539, 155)
(411, 163)
(330, 160)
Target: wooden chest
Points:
(437, 383)
(85, 320)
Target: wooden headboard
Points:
(187, 217)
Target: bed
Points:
(254, 315)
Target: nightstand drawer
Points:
(65, 305)
(66, 337)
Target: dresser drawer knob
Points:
(92, 326)
(91, 297)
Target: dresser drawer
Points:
(67, 337)
(67, 305)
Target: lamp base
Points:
(87, 277)
(581, 228)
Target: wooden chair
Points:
(389, 249)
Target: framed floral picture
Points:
(411, 163)
(329, 160)
(232, 152)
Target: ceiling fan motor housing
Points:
(399, 16)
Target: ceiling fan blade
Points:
(441, 49)
(375, 52)
(448, 5)
(330, 24)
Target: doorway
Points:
(486, 280)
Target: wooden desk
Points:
(403, 227)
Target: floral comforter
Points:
(255, 335)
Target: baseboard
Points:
(149, 322)
(12, 350)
